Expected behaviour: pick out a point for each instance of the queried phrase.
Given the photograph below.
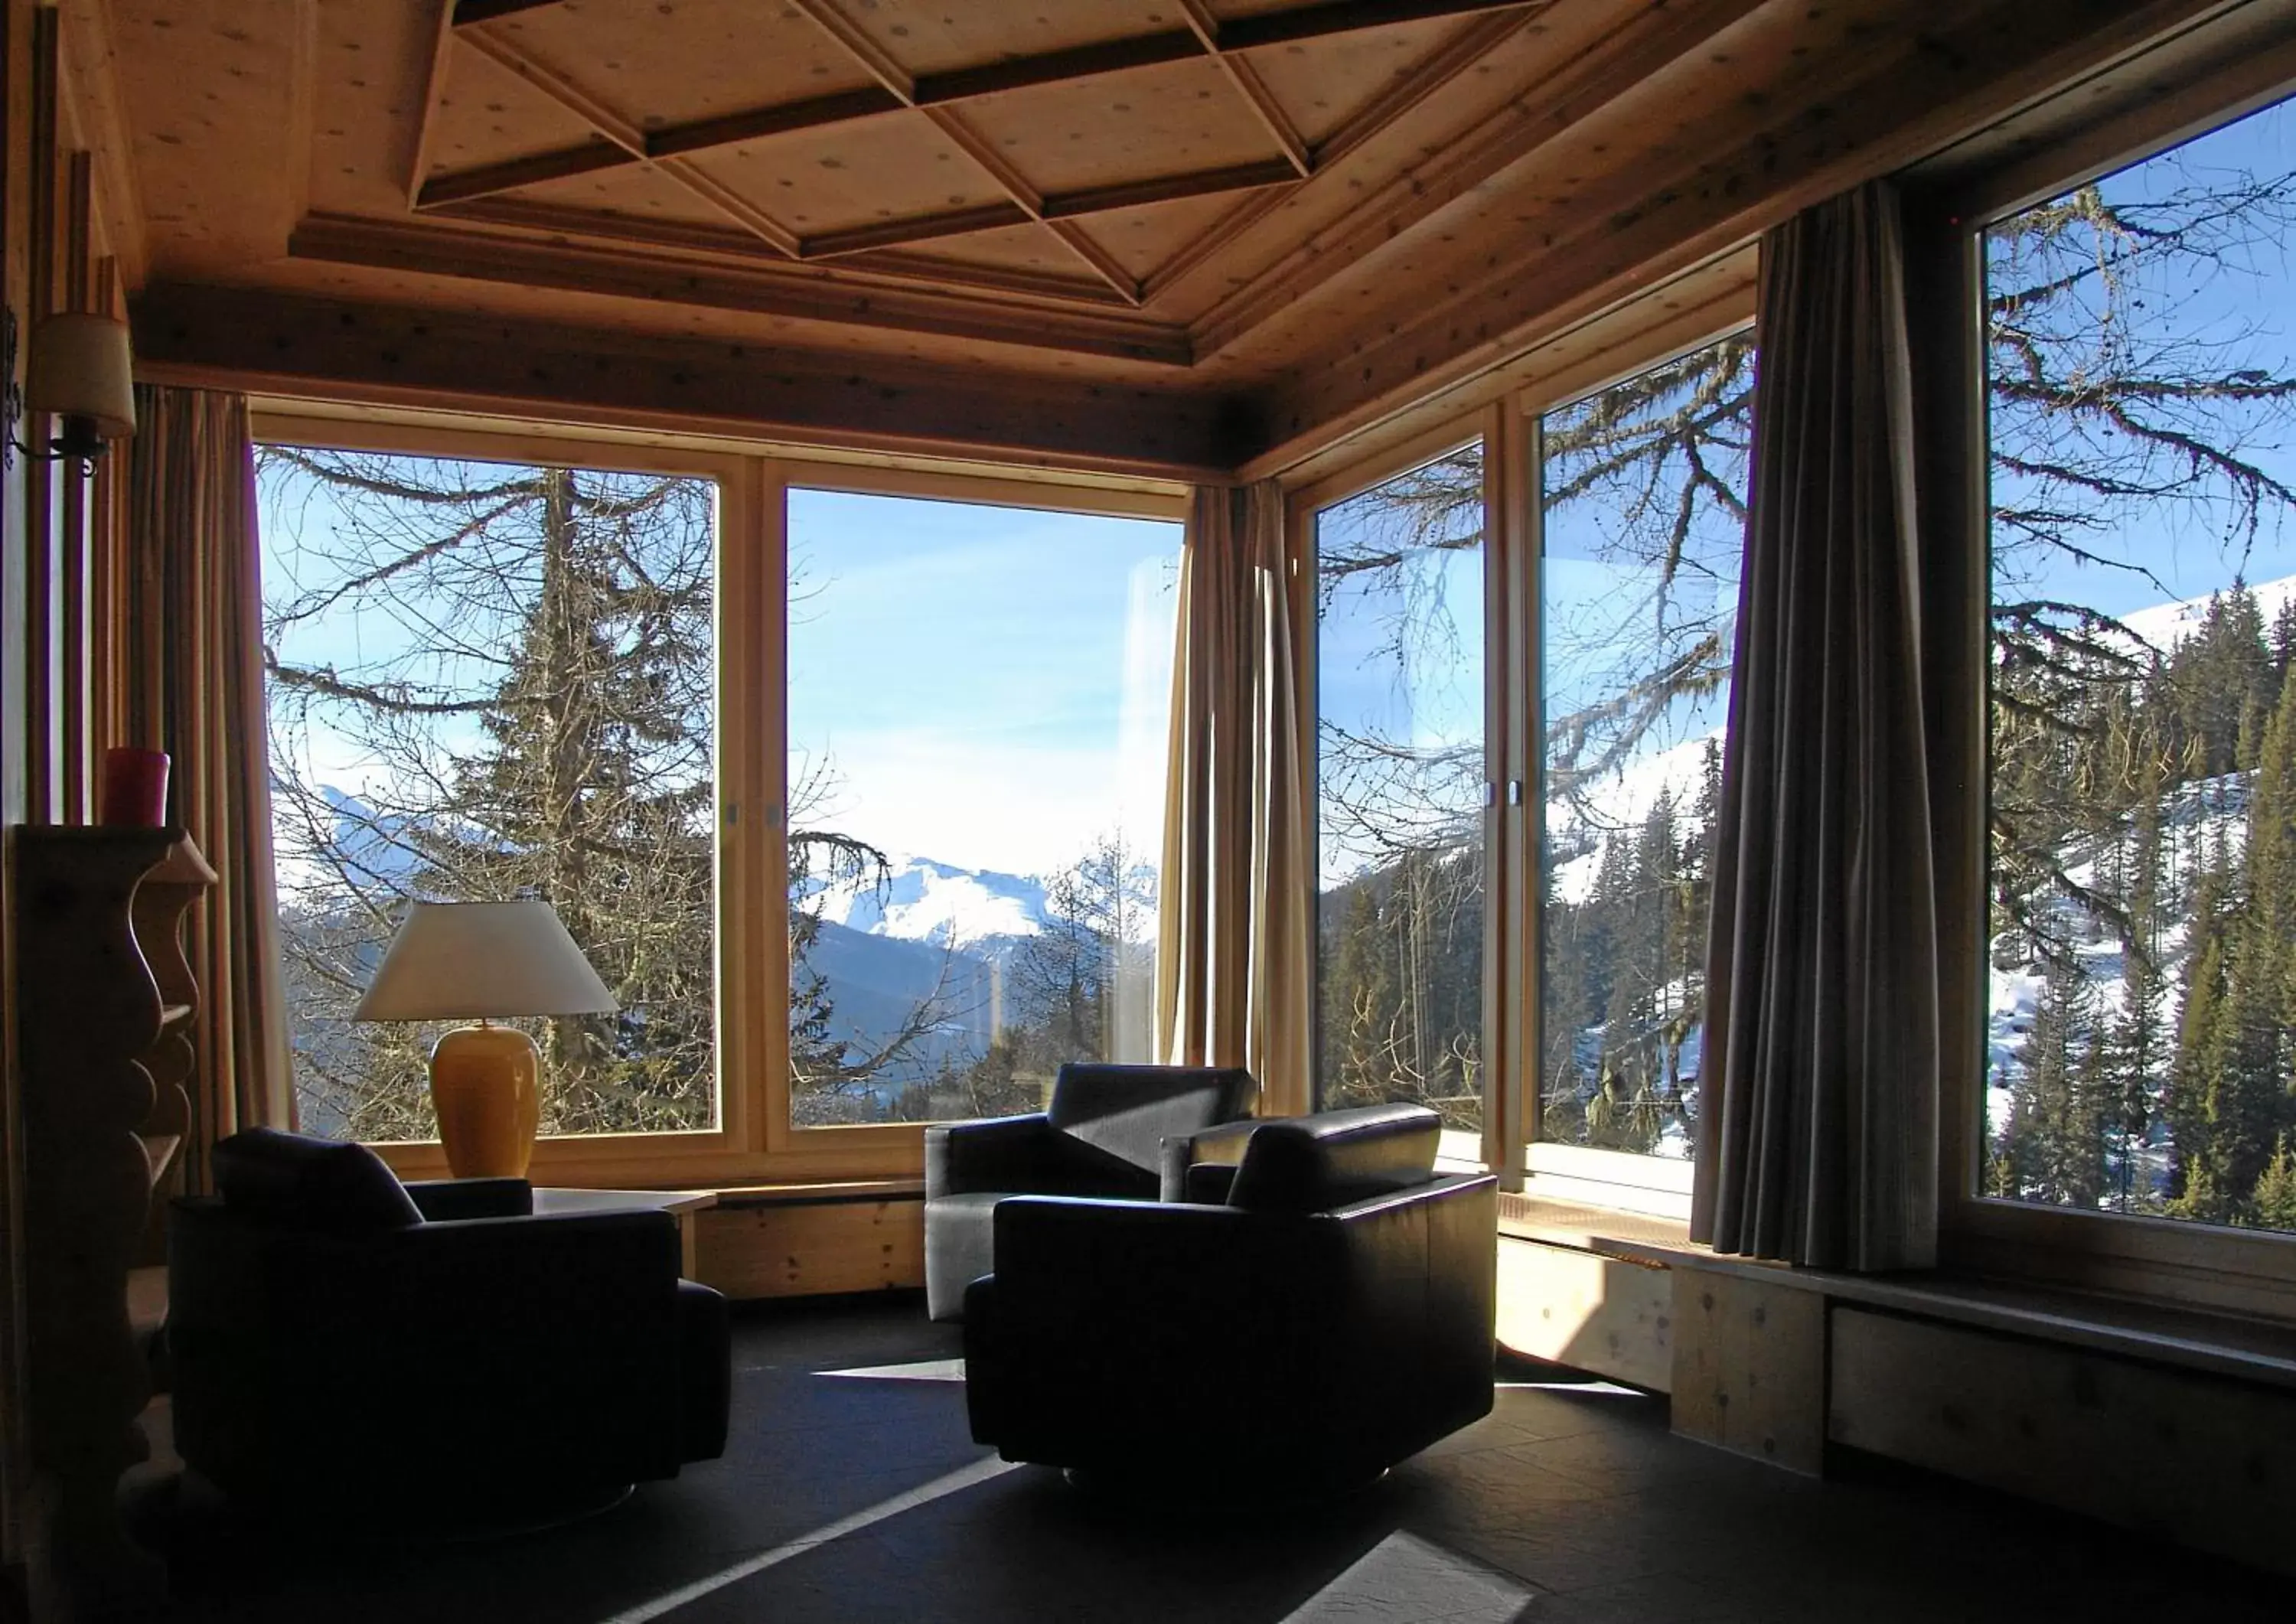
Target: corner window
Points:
(2141, 1048)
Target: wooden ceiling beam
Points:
(490, 180)
(1164, 188)
(434, 84)
(731, 130)
(897, 88)
(1245, 79)
(679, 171)
(1426, 76)
(693, 237)
(470, 13)
(266, 342)
(1595, 79)
(1059, 67)
(1301, 22)
(917, 228)
(768, 288)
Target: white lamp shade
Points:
(79, 367)
(483, 960)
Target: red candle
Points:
(134, 788)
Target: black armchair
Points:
(345, 1345)
(1332, 1317)
(1102, 1133)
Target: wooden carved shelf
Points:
(104, 1000)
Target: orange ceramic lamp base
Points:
(486, 1087)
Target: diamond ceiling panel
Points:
(1171, 119)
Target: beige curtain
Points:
(193, 678)
(1234, 965)
(1819, 1138)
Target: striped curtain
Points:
(190, 673)
(1235, 952)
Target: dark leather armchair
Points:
(1102, 1133)
(1331, 1317)
(345, 1345)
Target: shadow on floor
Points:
(861, 1497)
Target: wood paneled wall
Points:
(60, 560)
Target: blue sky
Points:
(984, 686)
(987, 685)
(2242, 312)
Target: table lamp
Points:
(484, 961)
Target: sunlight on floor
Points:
(963, 1477)
(924, 1370)
(1405, 1577)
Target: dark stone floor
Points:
(844, 1499)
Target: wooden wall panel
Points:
(2206, 1462)
(1578, 1307)
(290, 346)
(787, 1249)
(1750, 1366)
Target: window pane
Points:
(977, 704)
(487, 680)
(1643, 494)
(1399, 792)
(2144, 730)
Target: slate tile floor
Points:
(859, 1497)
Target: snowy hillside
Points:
(2164, 626)
(928, 900)
(1619, 802)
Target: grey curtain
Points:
(1818, 1137)
(1234, 964)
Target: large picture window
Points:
(2141, 1051)
(1399, 779)
(1643, 493)
(976, 745)
(489, 680)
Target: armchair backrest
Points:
(1129, 1111)
(1313, 1164)
(296, 1180)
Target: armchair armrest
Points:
(442, 1200)
(1219, 1146)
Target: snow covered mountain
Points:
(929, 901)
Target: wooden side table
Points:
(680, 1204)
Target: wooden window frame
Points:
(755, 1142)
(2195, 82)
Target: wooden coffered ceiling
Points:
(1275, 217)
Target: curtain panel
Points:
(191, 677)
(1820, 1076)
(1234, 964)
